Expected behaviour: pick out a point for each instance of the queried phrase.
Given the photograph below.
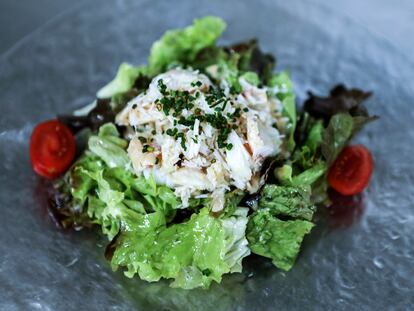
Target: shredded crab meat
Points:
(195, 157)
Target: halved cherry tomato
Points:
(52, 148)
(351, 171)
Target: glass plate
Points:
(366, 265)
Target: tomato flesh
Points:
(352, 170)
(52, 148)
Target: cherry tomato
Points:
(351, 171)
(52, 148)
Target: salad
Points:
(196, 160)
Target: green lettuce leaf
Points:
(283, 90)
(314, 139)
(287, 201)
(282, 84)
(123, 81)
(337, 135)
(207, 57)
(226, 69)
(108, 207)
(305, 178)
(182, 45)
(193, 253)
(252, 59)
(114, 198)
(308, 137)
(82, 184)
(232, 201)
(240, 60)
(343, 115)
(276, 239)
(251, 77)
(284, 174)
(340, 130)
(317, 147)
(179, 46)
(236, 245)
(103, 183)
(311, 175)
(108, 146)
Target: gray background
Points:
(392, 20)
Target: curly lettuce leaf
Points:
(235, 249)
(235, 239)
(115, 198)
(193, 253)
(82, 184)
(102, 182)
(182, 45)
(276, 239)
(108, 146)
(179, 46)
(124, 80)
(287, 201)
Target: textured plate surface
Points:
(367, 266)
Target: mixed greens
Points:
(159, 227)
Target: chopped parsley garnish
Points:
(172, 132)
(147, 148)
(194, 140)
(142, 139)
(197, 83)
(176, 102)
(162, 87)
(183, 140)
(236, 113)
